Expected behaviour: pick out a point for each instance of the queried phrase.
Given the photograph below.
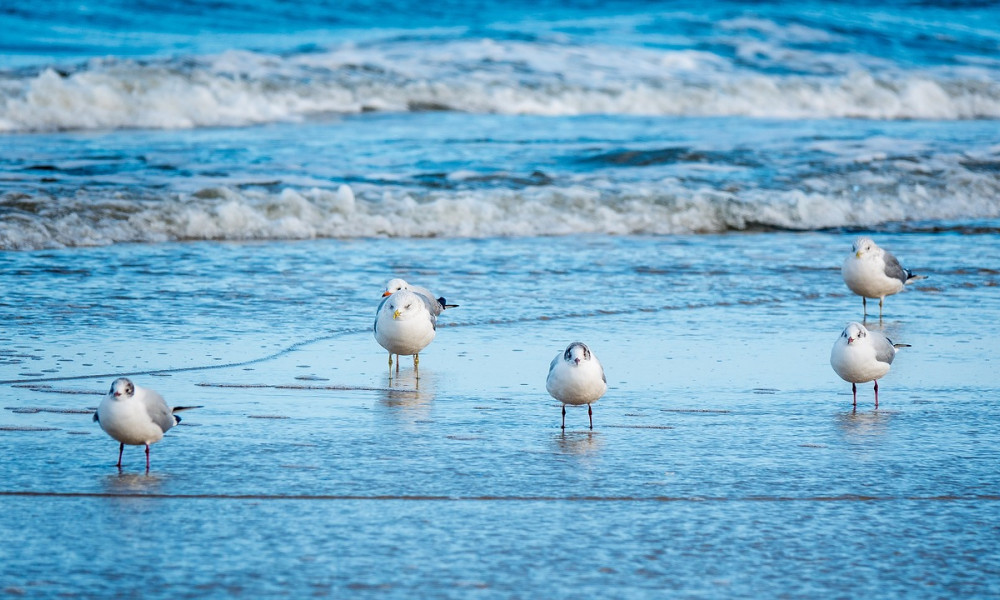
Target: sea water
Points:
(209, 200)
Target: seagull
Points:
(860, 355)
(437, 304)
(405, 324)
(135, 416)
(576, 377)
(872, 272)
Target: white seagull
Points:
(135, 416)
(405, 324)
(437, 304)
(576, 377)
(860, 355)
(873, 272)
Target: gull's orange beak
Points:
(386, 293)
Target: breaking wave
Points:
(256, 214)
(238, 88)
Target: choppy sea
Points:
(208, 197)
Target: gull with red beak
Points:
(135, 416)
(860, 355)
(576, 377)
(872, 272)
(405, 324)
(437, 304)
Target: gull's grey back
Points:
(432, 307)
(893, 269)
(157, 408)
(884, 350)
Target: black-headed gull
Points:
(576, 377)
(873, 272)
(405, 324)
(860, 355)
(437, 304)
(135, 416)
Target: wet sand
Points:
(726, 459)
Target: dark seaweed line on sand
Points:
(489, 498)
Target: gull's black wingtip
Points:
(444, 303)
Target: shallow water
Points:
(675, 187)
(726, 458)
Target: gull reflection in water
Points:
(133, 483)
(862, 425)
(408, 397)
(580, 443)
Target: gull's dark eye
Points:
(408, 306)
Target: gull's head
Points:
(405, 304)
(394, 285)
(576, 353)
(864, 245)
(854, 332)
(122, 388)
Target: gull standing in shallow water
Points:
(576, 377)
(860, 355)
(436, 304)
(135, 416)
(405, 324)
(872, 272)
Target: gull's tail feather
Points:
(911, 277)
(444, 303)
(177, 409)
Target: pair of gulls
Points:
(859, 354)
(406, 322)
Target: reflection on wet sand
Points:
(862, 425)
(408, 396)
(578, 442)
(133, 483)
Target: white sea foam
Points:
(489, 76)
(663, 207)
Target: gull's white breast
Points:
(866, 277)
(856, 362)
(128, 421)
(406, 335)
(576, 384)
